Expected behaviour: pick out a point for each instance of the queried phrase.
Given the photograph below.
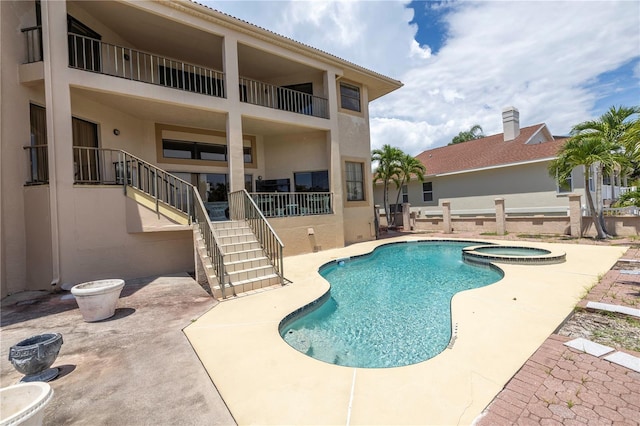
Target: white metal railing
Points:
(116, 167)
(282, 98)
(280, 204)
(33, 38)
(89, 54)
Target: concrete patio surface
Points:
(499, 327)
(136, 368)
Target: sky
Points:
(463, 62)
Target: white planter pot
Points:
(97, 300)
(23, 404)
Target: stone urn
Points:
(97, 300)
(23, 404)
(33, 357)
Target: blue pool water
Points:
(389, 308)
(512, 251)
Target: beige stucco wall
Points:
(13, 136)
(306, 234)
(359, 223)
(38, 232)
(100, 247)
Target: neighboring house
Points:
(510, 165)
(106, 104)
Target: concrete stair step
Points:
(244, 246)
(247, 274)
(243, 255)
(246, 285)
(239, 265)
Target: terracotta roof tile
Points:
(490, 151)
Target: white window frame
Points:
(427, 192)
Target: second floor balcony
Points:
(93, 55)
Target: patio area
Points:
(136, 368)
(139, 368)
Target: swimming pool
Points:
(389, 308)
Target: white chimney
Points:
(511, 123)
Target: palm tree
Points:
(631, 143)
(388, 159)
(407, 167)
(474, 132)
(596, 144)
(610, 129)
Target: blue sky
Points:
(462, 62)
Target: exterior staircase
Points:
(246, 265)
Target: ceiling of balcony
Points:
(118, 22)
(148, 32)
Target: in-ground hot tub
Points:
(512, 254)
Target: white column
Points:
(235, 153)
(59, 135)
(333, 144)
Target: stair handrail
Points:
(242, 206)
(212, 246)
(195, 207)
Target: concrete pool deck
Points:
(264, 381)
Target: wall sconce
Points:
(116, 132)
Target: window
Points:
(248, 183)
(355, 181)
(349, 97)
(193, 150)
(247, 154)
(566, 186)
(405, 194)
(311, 181)
(38, 152)
(427, 191)
(272, 185)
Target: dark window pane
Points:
(211, 152)
(349, 97)
(312, 181)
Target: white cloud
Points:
(543, 57)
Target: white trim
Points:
(499, 166)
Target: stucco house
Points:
(512, 165)
(126, 125)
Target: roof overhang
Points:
(378, 85)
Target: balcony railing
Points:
(37, 158)
(281, 204)
(268, 95)
(97, 56)
(33, 38)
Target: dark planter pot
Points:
(33, 356)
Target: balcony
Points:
(276, 97)
(93, 55)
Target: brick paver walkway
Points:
(559, 385)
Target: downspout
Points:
(53, 190)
